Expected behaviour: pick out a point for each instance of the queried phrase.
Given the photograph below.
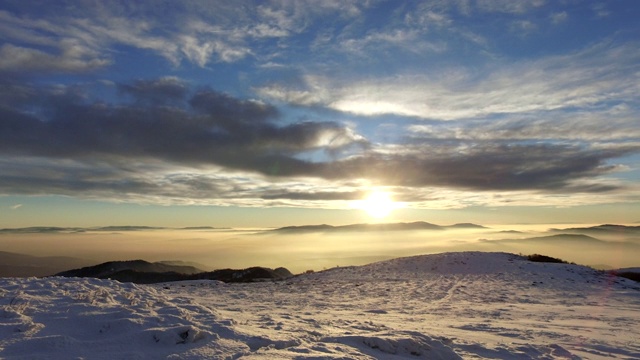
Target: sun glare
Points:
(378, 204)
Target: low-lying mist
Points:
(316, 250)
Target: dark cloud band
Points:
(170, 124)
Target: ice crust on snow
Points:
(442, 306)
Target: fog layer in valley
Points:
(308, 248)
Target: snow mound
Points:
(463, 264)
(67, 318)
(402, 344)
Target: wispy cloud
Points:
(589, 77)
(596, 126)
(559, 17)
(86, 37)
(69, 59)
(507, 6)
(600, 9)
(523, 26)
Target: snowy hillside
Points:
(444, 306)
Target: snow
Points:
(445, 306)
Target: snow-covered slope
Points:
(443, 306)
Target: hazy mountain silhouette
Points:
(40, 230)
(402, 226)
(126, 228)
(199, 266)
(111, 228)
(204, 228)
(143, 272)
(20, 265)
(565, 238)
(610, 229)
(106, 269)
(465, 226)
(569, 239)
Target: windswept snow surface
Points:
(467, 305)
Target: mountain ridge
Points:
(366, 227)
(144, 272)
(22, 265)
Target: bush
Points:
(630, 275)
(545, 259)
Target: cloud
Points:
(405, 40)
(315, 195)
(155, 182)
(486, 166)
(74, 43)
(87, 41)
(200, 48)
(86, 36)
(605, 125)
(207, 127)
(168, 143)
(600, 9)
(558, 17)
(523, 26)
(71, 59)
(152, 181)
(164, 145)
(158, 91)
(495, 131)
(507, 6)
(586, 78)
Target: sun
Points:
(378, 204)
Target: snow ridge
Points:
(441, 306)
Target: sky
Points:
(275, 113)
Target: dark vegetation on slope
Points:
(143, 272)
(546, 259)
(627, 274)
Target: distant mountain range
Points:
(55, 229)
(107, 269)
(400, 226)
(625, 238)
(417, 225)
(600, 229)
(20, 265)
(554, 239)
(143, 272)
